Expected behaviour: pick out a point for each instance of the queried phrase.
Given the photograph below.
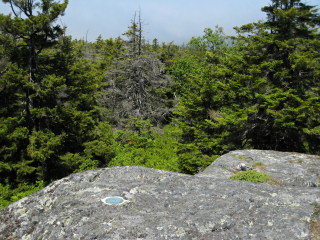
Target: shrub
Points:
(251, 176)
(256, 164)
(146, 147)
(8, 195)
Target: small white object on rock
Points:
(243, 167)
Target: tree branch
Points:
(12, 8)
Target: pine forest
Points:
(69, 105)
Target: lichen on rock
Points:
(168, 205)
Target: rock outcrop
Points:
(286, 169)
(154, 204)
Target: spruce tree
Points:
(261, 92)
(284, 52)
(49, 119)
(30, 30)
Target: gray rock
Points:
(286, 169)
(156, 204)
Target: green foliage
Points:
(251, 176)
(258, 92)
(100, 148)
(50, 124)
(146, 147)
(95, 153)
(8, 195)
(185, 71)
(243, 158)
(59, 97)
(106, 51)
(211, 44)
(284, 58)
(258, 164)
(192, 160)
(42, 149)
(207, 112)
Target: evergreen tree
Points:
(30, 31)
(33, 30)
(49, 120)
(108, 50)
(262, 92)
(201, 94)
(284, 52)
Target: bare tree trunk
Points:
(140, 35)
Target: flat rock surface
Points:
(166, 205)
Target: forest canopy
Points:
(69, 105)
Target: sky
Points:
(166, 20)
